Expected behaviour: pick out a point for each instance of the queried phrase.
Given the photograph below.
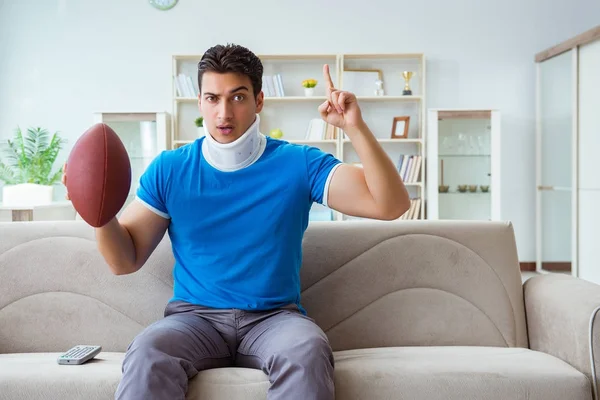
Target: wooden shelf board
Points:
(295, 98)
(285, 57)
(464, 193)
(383, 55)
(197, 57)
(187, 57)
(300, 141)
(317, 98)
(418, 141)
(388, 98)
(119, 116)
(465, 114)
(297, 141)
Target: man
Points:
(236, 205)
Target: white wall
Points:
(61, 60)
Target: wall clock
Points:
(163, 4)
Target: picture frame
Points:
(400, 127)
(361, 82)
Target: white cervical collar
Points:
(238, 154)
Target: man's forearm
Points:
(117, 247)
(382, 177)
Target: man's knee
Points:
(148, 347)
(309, 352)
(149, 369)
(303, 370)
(154, 349)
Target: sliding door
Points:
(555, 171)
(589, 161)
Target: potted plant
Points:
(309, 87)
(26, 168)
(200, 126)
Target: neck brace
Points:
(235, 155)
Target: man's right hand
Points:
(128, 241)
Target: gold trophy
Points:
(407, 75)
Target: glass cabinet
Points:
(463, 164)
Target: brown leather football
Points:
(98, 175)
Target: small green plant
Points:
(29, 158)
(199, 122)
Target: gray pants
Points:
(287, 345)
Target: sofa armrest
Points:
(561, 312)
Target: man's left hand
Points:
(341, 108)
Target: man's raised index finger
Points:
(327, 76)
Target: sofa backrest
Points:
(367, 284)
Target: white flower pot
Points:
(27, 195)
(309, 92)
(200, 130)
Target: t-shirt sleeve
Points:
(152, 184)
(321, 167)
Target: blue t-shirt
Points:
(237, 235)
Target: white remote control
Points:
(79, 355)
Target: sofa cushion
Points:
(382, 373)
(437, 373)
(34, 376)
(38, 376)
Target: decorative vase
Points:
(200, 130)
(27, 195)
(309, 92)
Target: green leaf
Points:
(30, 157)
(56, 177)
(7, 174)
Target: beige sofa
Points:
(413, 309)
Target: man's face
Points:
(228, 105)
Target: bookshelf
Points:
(290, 109)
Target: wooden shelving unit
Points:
(292, 111)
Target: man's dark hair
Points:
(232, 58)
